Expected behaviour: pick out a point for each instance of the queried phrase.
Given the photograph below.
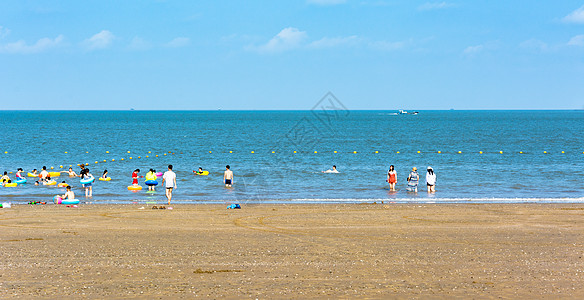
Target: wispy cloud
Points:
(534, 44)
(4, 32)
(576, 16)
(577, 40)
(287, 39)
(178, 42)
(326, 2)
(435, 5)
(139, 44)
(100, 40)
(470, 50)
(21, 47)
(388, 45)
(327, 42)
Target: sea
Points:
(280, 156)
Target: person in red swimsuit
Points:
(391, 178)
(135, 176)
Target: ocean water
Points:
(366, 143)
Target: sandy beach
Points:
(293, 251)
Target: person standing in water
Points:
(135, 177)
(391, 178)
(431, 180)
(151, 180)
(228, 176)
(170, 178)
(413, 180)
(87, 186)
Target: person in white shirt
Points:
(431, 180)
(44, 174)
(170, 178)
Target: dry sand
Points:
(294, 251)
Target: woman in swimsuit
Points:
(391, 178)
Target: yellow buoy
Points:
(156, 155)
(252, 152)
(209, 152)
(335, 151)
(96, 161)
(147, 156)
(113, 159)
(87, 164)
(397, 152)
(164, 153)
(273, 151)
(139, 157)
(294, 151)
(501, 152)
(122, 159)
(104, 160)
(418, 151)
(5, 152)
(376, 151)
(480, 152)
(230, 151)
(439, 151)
(52, 168)
(149, 152)
(315, 152)
(61, 166)
(520, 152)
(128, 151)
(107, 152)
(354, 151)
(130, 157)
(545, 152)
(86, 151)
(563, 152)
(70, 165)
(459, 152)
(65, 152)
(169, 151)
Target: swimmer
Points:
(391, 178)
(333, 170)
(413, 180)
(63, 184)
(5, 182)
(228, 176)
(87, 186)
(19, 174)
(198, 172)
(104, 175)
(151, 176)
(71, 173)
(44, 174)
(48, 181)
(34, 172)
(431, 180)
(69, 194)
(5, 176)
(135, 177)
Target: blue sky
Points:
(372, 54)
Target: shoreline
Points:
(293, 250)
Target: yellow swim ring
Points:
(105, 179)
(12, 184)
(134, 187)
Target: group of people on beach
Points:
(413, 179)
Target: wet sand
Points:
(294, 251)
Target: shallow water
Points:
(41, 138)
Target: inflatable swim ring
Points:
(20, 181)
(12, 184)
(62, 185)
(151, 182)
(52, 182)
(87, 180)
(59, 200)
(31, 175)
(105, 179)
(204, 173)
(54, 174)
(134, 187)
(159, 174)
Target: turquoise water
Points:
(37, 138)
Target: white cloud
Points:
(178, 42)
(576, 16)
(4, 32)
(473, 49)
(435, 5)
(534, 44)
(387, 46)
(100, 40)
(577, 40)
(326, 2)
(327, 42)
(139, 43)
(288, 38)
(21, 47)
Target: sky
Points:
(283, 54)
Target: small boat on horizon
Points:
(404, 112)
